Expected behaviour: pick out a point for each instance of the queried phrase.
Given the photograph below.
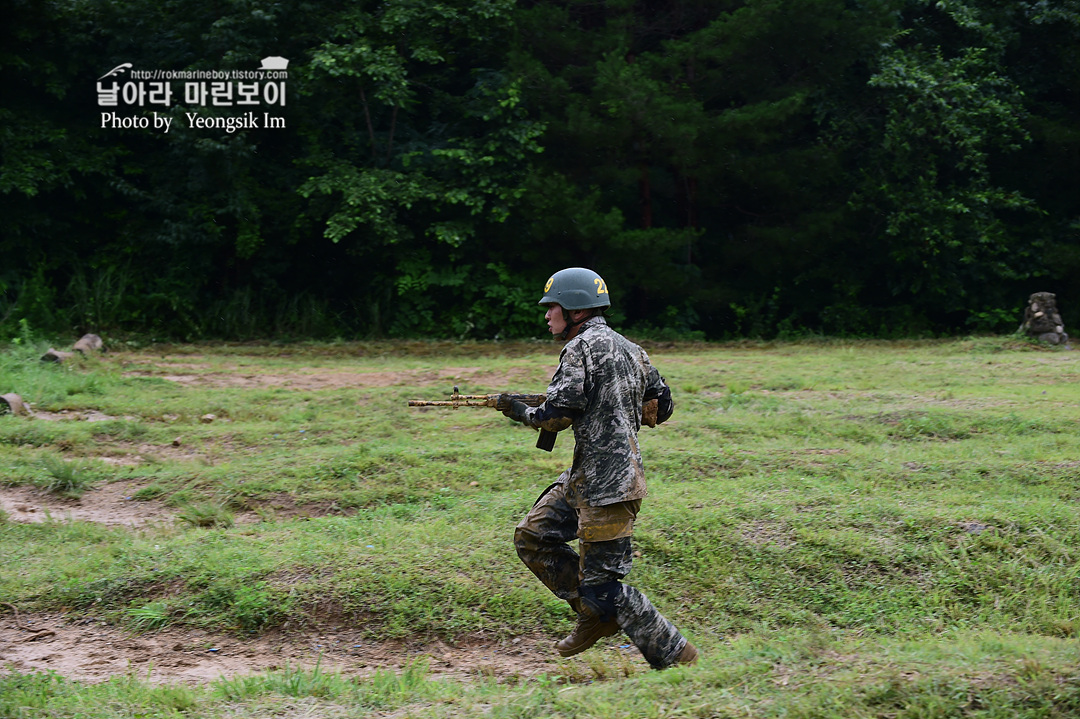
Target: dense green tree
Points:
(796, 165)
(1040, 57)
(422, 147)
(946, 177)
(698, 124)
(139, 228)
(737, 167)
(403, 140)
(944, 108)
(50, 170)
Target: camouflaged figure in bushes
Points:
(600, 388)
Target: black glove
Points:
(513, 409)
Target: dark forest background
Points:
(732, 168)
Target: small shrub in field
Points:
(120, 429)
(258, 606)
(247, 605)
(145, 494)
(149, 617)
(206, 514)
(83, 384)
(172, 699)
(62, 477)
(737, 387)
(291, 681)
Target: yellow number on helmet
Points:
(601, 287)
(547, 287)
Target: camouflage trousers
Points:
(542, 540)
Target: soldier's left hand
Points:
(516, 410)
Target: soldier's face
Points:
(555, 320)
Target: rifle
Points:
(546, 440)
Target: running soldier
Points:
(603, 385)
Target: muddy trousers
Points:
(542, 540)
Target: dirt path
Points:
(201, 374)
(110, 504)
(86, 650)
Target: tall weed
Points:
(70, 478)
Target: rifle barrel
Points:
(447, 403)
(477, 400)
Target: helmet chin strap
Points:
(570, 324)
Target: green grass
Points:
(69, 478)
(846, 529)
(205, 514)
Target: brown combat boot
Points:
(687, 656)
(588, 631)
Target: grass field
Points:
(845, 529)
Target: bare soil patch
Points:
(86, 650)
(764, 532)
(317, 378)
(134, 454)
(110, 504)
(90, 415)
(114, 504)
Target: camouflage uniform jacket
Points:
(599, 387)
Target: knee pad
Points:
(522, 540)
(600, 599)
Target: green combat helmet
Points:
(576, 288)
